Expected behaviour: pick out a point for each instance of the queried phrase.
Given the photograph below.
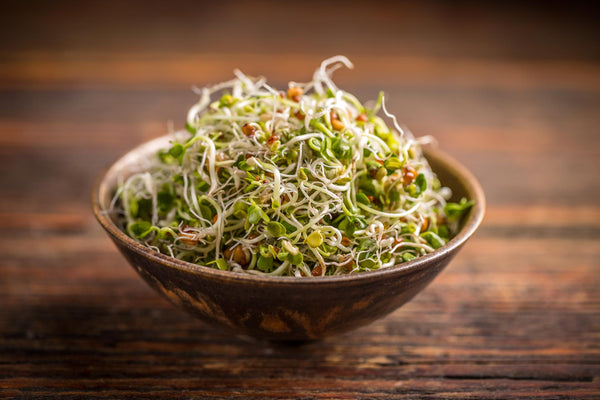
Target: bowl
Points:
(286, 308)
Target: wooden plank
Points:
(85, 70)
(516, 30)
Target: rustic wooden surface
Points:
(512, 90)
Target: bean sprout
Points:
(303, 182)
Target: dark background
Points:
(511, 89)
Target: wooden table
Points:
(513, 91)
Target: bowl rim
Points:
(472, 221)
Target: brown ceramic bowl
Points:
(286, 308)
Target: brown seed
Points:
(371, 198)
(236, 254)
(317, 270)
(425, 224)
(397, 241)
(239, 256)
(408, 175)
(215, 218)
(284, 198)
(335, 121)
(349, 266)
(362, 117)
(300, 115)
(337, 124)
(187, 236)
(295, 93)
(248, 130)
(188, 241)
(346, 241)
(272, 139)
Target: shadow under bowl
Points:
(286, 308)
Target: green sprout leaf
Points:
(177, 152)
(276, 229)
(289, 228)
(221, 263)
(421, 183)
(456, 210)
(295, 259)
(265, 264)
(203, 186)
(165, 200)
(315, 239)
(253, 215)
(434, 240)
(140, 229)
(392, 164)
(240, 209)
(362, 198)
(367, 263)
(408, 257)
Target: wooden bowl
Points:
(286, 308)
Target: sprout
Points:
(306, 181)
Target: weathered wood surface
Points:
(512, 91)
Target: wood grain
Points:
(511, 90)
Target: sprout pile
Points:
(303, 182)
